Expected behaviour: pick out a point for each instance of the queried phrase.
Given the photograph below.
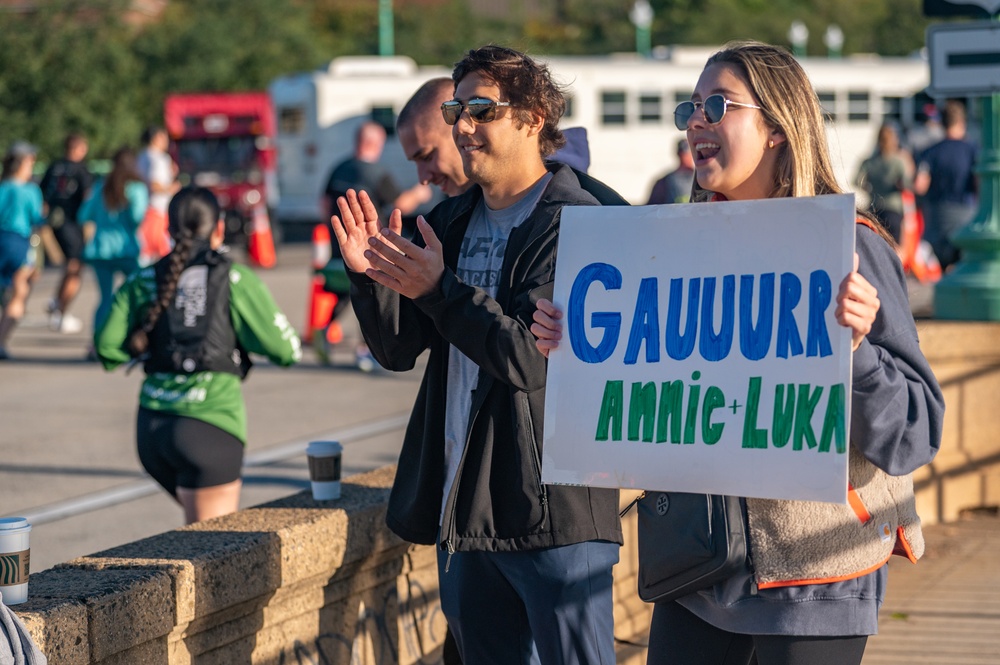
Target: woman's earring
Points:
(770, 144)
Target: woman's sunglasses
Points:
(714, 106)
(480, 110)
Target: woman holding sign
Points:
(815, 575)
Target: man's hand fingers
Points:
(346, 214)
(549, 308)
(338, 230)
(368, 208)
(392, 239)
(386, 250)
(396, 221)
(355, 206)
(380, 261)
(542, 331)
(430, 238)
(542, 319)
(545, 346)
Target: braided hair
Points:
(193, 215)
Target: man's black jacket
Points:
(497, 502)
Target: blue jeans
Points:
(550, 606)
(105, 270)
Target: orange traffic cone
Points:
(321, 301)
(911, 231)
(260, 244)
(321, 304)
(322, 246)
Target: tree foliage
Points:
(66, 71)
(76, 65)
(210, 45)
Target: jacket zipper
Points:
(452, 506)
(452, 531)
(543, 496)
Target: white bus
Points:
(625, 102)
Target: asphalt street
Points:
(67, 443)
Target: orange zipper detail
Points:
(857, 505)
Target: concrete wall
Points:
(295, 581)
(965, 357)
(292, 581)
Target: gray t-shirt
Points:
(479, 264)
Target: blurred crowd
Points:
(114, 224)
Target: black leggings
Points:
(185, 452)
(678, 637)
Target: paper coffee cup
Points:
(324, 469)
(15, 555)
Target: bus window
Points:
(858, 106)
(613, 108)
(682, 96)
(650, 107)
(828, 102)
(892, 110)
(291, 120)
(385, 116)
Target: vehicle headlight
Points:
(252, 197)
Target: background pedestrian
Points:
(191, 320)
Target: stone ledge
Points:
(122, 609)
(214, 576)
(285, 580)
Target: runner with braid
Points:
(192, 319)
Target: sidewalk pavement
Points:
(946, 609)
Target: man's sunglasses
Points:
(714, 106)
(480, 110)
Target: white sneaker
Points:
(365, 360)
(70, 325)
(67, 324)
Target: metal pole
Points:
(386, 38)
(641, 16)
(643, 41)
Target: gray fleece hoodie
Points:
(818, 569)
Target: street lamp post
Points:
(834, 41)
(386, 38)
(642, 17)
(798, 35)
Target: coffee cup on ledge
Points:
(15, 555)
(324, 469)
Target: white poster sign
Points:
(700, 349)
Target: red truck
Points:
(225, 141)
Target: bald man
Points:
(427, 140)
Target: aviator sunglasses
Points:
(480, 110)
(714, 106)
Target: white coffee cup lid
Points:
(12, 523)
(324, 448)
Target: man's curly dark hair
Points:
(526, 84)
